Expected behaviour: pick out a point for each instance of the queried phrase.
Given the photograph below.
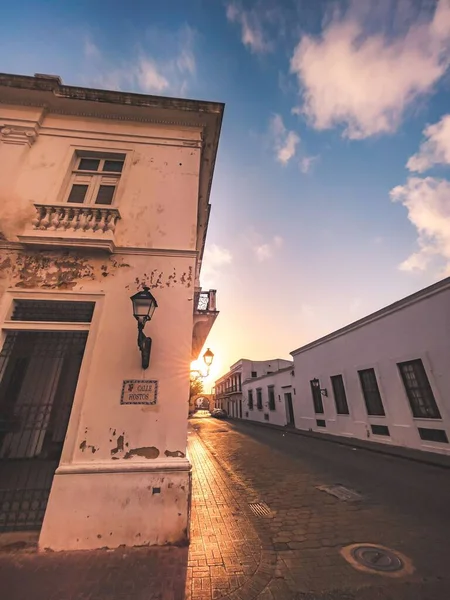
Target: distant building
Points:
(384, 378)
(269, 398)
(101, 194)
(228, 389)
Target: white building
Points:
(384, 378)
(269, 398)
(228, 389)
(101, 194)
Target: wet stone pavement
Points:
(262, 528)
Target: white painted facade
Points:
(280, 384)
(123, 476)
(416, 328)
(228, 389)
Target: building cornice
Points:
(427, 292)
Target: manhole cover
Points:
(377, 558)
(373, 558)
(340, 492)
(260, 509)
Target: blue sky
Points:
(331, 196)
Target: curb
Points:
(421, 456)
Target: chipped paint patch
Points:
(175, 454)
(144, 451)
(85, 446)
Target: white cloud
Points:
(252, 34)
(149, 77)
(428, 203)
(265, 251)
(306, 163)
(164, 63)
(214, 259)
(285, 142)
(364, 81)
(435, 150)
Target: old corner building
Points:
(101, 193)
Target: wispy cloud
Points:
(427, 202)
(435, 149)
(150, 77)
(214, 259)
(364, 81)
(91, 51)
(285, 142)
(252, 32)
(267, 250)
(307, 162)
(165, 63)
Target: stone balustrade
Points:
(55, 217)
(72, 226)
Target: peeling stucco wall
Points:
(67, 270)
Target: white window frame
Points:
(94, 179)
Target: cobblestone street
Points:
(261, 528)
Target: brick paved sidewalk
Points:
(226, 558)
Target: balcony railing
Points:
(205, 301)
(68, 225)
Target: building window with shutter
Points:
(259, 399)
(418, 390)
(340, 397)
(95, 178)
(372, 396)
(271, 393)
(250, 399)
(317, 396)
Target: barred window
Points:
(418, 390)
(340, 397)
(372, 396)
(250, 399)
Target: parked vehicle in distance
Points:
(219, 413)
(201, 414)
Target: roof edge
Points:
(422, 294)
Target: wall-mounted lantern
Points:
(208, 358)
(316, 384)
(144, 305)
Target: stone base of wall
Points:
(102, 505)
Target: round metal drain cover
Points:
(379, 559)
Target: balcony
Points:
(70, 225)
(205, 313)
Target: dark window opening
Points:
(379, 429)
(317, 396)
(259, 399)
(271, 392)
(433, 435)
(77, 193)
(254, 374)
(113, 166)
(371, 393)
(89, 164)
(340, 397)
(266, 417)
(105, 194)
(418, 390)
(320, 423)
(250, 399)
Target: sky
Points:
(331, 194)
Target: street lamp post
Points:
(208, 358)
